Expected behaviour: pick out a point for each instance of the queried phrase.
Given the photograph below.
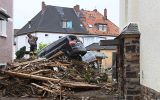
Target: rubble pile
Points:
(53, 77)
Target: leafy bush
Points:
(21, 52)
(41, 46)
(89, 75)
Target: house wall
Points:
(6, 41)
(23, 39)
(128, 12)
(86, 39)
(150, 49)
(148, 20)
(107, 62)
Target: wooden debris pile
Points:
(54, 77)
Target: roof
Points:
(50, 21)
(3, 15)
(97, 54)
(91, 18)
(15, 31)
(92, 55)
(96, 46)
(131, 29)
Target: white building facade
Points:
(48, 38)
(146, 14)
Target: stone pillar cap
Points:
(131, 29)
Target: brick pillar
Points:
(129, 66)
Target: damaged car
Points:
(70, 45)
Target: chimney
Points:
(105, 13)
(95, 10)
(43, 6)
(77, 8)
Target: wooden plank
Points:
(109, 42)
(41, 78)
(1, 78)
(60, 53)
(44, 88)
(27, 62)
(39, 71)
(54, 65)
(80, 85)
(69, 84)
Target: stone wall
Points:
(149, 94)
(131, 68)
(128, 64)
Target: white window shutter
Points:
(3, 28)
(64, 24)
(0, 27)
(4, 25)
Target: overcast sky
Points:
(25, 10)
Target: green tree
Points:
(41, 46)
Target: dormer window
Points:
(102, 27)
(29, 26)
(66, 24)
(90, 26)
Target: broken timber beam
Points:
(60, 53)
(41, 78)
(80, 85)
(39, 71)
(27, 62)
(55, 65)
(63, 83)
(43, 88)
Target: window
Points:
(90, 26)
(102, 28)
(60, 37)
(29, 26)
(46, 34)
(3, 28)
(64, 24)
(67, 24)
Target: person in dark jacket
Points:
(32, 40)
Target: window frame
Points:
(3, 28)
(67, 24)
(102, 27)
(64, 24)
